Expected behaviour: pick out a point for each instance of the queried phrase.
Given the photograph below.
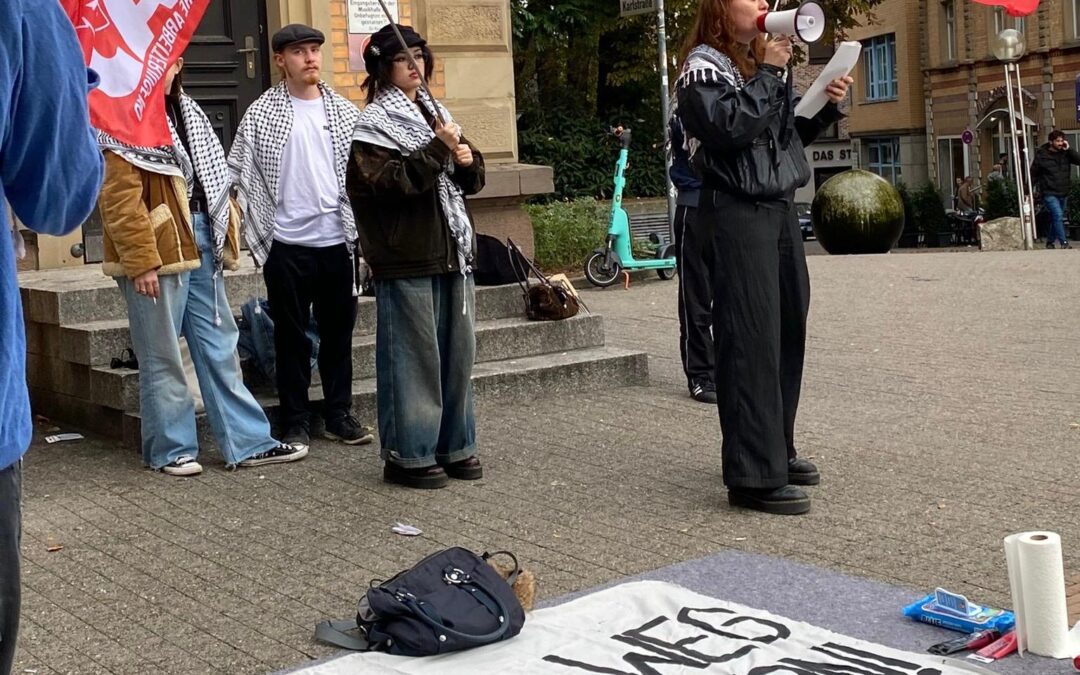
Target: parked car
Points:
(803, 209)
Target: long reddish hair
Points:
(712, 27)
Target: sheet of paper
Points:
(841, 64)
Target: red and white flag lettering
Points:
(131, 44)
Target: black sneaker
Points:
(802, 472)
(703, 391)
(1065, 244)
(466, 469)
(787, 501)
(278, 454)
(1049, 244)
(184, 465)
(297, 436)
(349, 431)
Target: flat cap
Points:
(295, 33)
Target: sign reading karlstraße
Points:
(632, 7)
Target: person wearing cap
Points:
(409, 172)
(288, 164)
(170, 230)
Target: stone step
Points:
(496, 340)
(76, 296)
(511, 380)
(96, 343)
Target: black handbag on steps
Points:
(449, 601)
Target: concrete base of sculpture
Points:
(1001, 234)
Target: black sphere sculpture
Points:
(857, 212)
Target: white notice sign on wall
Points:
(366, 16)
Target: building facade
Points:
(229, 64)
(964, 84)
(888, 112)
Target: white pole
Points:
(665, 110)
(1029, 190)
(1018, 179)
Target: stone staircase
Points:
(76, 322)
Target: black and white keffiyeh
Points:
(393, 121)
(206, 162)
(255, 161)
(704, 65)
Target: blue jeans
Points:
(188, 305)
(1056, 206)
(424, 352)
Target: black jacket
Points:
(752, 143)
(401, 226)
(682, 175)
(1051, 172)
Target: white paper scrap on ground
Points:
(841, 64)
(1037, 580)
(58, 438)
(652, 626)
(406, 530)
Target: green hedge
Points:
(566, 232)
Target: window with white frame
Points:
(879, 66)
(948, 45)
(1075, 19)
(999, 19)
(883, 157)
(1020, 24)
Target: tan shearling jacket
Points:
(147, 223)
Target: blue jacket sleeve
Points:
(50, 164)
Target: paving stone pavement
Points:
(938, 398)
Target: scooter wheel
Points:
(599, 272)
(666, 273)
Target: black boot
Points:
(802, 472)
(787, 501)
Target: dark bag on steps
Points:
(449, 601)
(493, 266)
(544, 301)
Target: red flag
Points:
(132, 44)
(1016, 8)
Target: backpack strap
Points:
(344, 633)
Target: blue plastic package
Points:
(956, 612)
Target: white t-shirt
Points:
(308, 212)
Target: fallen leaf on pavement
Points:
(55, 547)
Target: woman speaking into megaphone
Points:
(735, 102)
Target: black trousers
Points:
(10, 533)
(693, 251)
(299, 278)
(761, 297)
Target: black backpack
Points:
(449, 601)
(494, 265)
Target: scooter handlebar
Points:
(623, 134)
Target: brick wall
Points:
(347, 80)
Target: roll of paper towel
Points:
(1037, 579)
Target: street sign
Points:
(632, 7)
(967, 137)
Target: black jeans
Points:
(299, 278)
(761, 297)
(693, 250)
(10, 533)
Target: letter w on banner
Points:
(131, 44)
(1015, 8)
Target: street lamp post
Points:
(1009, 47)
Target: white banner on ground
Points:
(651, 627)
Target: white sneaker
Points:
(183, 466)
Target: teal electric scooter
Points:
(605, 265)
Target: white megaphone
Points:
(807, 22)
